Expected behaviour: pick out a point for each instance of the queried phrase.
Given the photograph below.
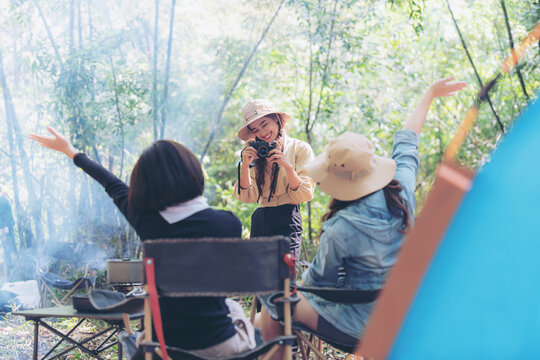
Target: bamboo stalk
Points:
(511, 40)
(499, 122)
(236, 82)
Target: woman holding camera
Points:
(272, 173)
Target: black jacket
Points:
(188, 323)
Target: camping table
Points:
(114, 320)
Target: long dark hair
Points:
(260, 164)
(396, 204)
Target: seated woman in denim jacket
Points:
(372, 208)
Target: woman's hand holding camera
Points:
(276, 156)
(279, 143)
(249, 154)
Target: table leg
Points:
(61, 340)
(36, 343)
(76, 343)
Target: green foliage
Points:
(416, 12)
(73, 94)
(334, 65)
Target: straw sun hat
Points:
(255, 110)
(348, 168)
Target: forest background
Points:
(113, 76)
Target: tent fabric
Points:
(479, 297)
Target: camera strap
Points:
(239, 164)
(275, 169)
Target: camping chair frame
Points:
(239, 267)
(46, 285)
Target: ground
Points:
(16, 340)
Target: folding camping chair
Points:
(312, 342)
(238, 267)
(48, 281)
(306, 344)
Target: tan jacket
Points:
(298, 153)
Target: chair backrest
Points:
(218, 266)
(212, 267)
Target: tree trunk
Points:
(308, 115)
(11, 118)
(155, 110)
(90, 24)
(19, 211)
(79, 24)
(309, 123)
(49, 210)
(49, 34)
(71, 25)
(474, 67)
(95, 191)
(164, 104)
(236, 82)
(326, 65)
(16, 65)
(310, 82)
(511, 40)
(504, 52)
(120, 119)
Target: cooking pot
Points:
(124, 271)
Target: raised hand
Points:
(443, 87)
(439, 88)
(57, 142)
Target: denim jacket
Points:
(363, 239)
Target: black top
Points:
(188, 323)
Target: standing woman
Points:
(164, 200)
(278, 181)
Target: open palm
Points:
(443, 87)
(57, 142)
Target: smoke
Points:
(93, 83)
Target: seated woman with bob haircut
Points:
(164, 200)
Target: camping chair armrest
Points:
(274, 304)
(342, 296)
(175, 352)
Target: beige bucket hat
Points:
(255, 110)
(348, 168)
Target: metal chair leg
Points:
(310, 345)
(271, 352)
(253, 310)
(305, 354)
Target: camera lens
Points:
(262, 151)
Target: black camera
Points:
(263, 148)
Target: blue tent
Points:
(480, 297)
